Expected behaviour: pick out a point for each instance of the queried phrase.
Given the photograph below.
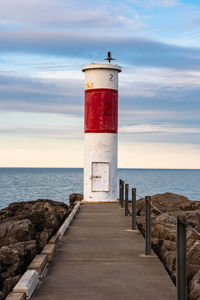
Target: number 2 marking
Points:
(111, 77)
(107, 106)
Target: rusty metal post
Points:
(148, 226)
(120, 192)
(122, 202)
(181, 269)
(133, 209)
(126, 199)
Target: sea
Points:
(27, 184)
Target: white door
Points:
(100, 177)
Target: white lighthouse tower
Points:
(101, 128)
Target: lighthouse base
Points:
(100, 169)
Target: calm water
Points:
(25, 184)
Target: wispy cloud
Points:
(65, 14)
(151, 128)
(160, 133)
(130, 50)
(28, 94)
(164, 3)
(141, 100)
(43, 125)
(154, 3)
(68, 132)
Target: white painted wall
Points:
(101, 75)
(100, 147)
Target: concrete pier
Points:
(100, 258)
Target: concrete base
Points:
(49, 250)
(27, 283)
(38, 263)
(54, 239)
(69, 219)
(94, 201)
(16, 296)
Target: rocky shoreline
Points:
(25, 228)
(164, 235)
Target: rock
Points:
(14, 231)
(192, 270)
(193, 254)
(167, 202)
(164, 234)
(43, 238)
(73, 198)
(194, 287)
(191, 217)
(9, 284)
(25, 228)
(9, 255)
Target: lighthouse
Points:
(101, 130)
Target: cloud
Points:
(129, 50)
(154, 105)
(155, 115)
(151, 128)
(163, 3)
(159, 3)
(66, 132)
(62, 14)
(142, 100)
(159, 94)
(162, 133)
(168, 116)
(36, 95)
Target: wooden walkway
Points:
(100, 258)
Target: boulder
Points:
(12, 231)
(73, 198)
(164, 234)
(25, 228)
(194, 287)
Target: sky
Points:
(43, 46)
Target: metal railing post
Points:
(181, 271)
(148, 226)
(126, 199)
(122, 190)
(133, 209)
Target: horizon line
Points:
(83, 168)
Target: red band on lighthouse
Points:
(101, 110)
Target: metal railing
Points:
(181, 269)
(121, 201)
